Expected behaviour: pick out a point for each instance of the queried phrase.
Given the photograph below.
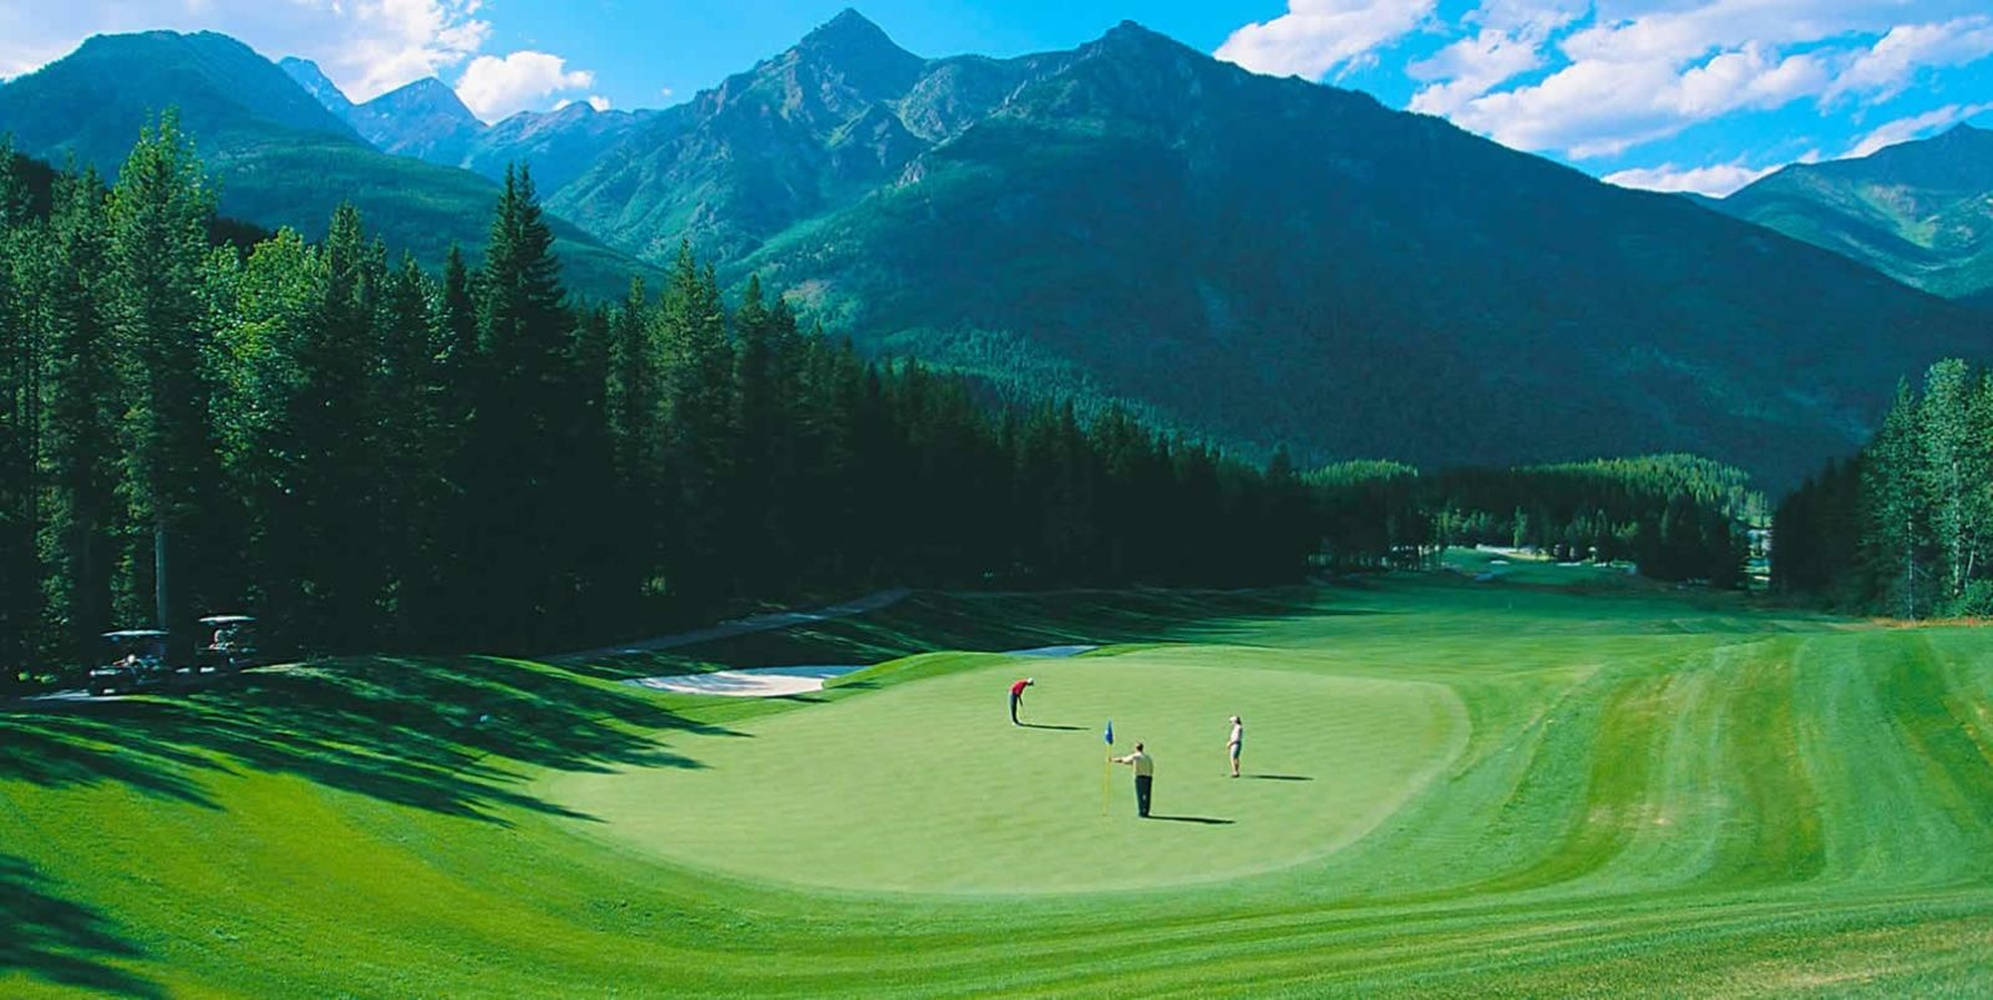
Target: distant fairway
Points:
(1571, 784)
(927, 786)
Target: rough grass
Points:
(1642, 793)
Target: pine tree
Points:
(20, 431)
(756, 421)
(1895, 521)
(81, 433)
(696, 397)
(410, 452)
(1953, 465)
(159, 214)
(337, 434)
(524, 338)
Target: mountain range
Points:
(279, 154)
(1920, 212)
(1251, 259)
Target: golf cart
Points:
(231, 643)
(136, 659)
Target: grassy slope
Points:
(1681, 795)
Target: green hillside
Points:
(1918, 211)
(279, 157)
(1575, 786)
(1276, 261)
(1261, 260)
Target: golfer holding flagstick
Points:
(1145, 777)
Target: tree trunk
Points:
(161, 604)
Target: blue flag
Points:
(1109, 734)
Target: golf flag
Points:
(1108, 735)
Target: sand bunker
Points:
(753, 682)
(777, 682)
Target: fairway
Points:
(926, 786)
(1578, 785)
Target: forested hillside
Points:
(1275, 261)
(369, 455)
(1129, 225)
(278, 157)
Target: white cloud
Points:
(1628, 72)
(664, 91)
(1316, 36)
(494, 88)
(367, 47)
(1470, 67)
(1715, 180)
(1593, 108)
(1510, 41)
(1645, 70)
(1886, 68)
(1913, 127)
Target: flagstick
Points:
(1105, 767)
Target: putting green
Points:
(927, 786)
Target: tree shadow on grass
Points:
(1206, 820)
(58, 941)
(439, 734)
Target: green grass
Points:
(1517, 789)
(927, 787)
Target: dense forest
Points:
(1677, 517)
(197, 417)
(1902, 528)
(368, 455)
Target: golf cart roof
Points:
(227, 619)
(135, 633)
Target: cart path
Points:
(743, 626)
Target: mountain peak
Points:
(848, 20)
(850, 34)
(1962, 132)
(316, 83)
(851, 51)
(1134, 33)
(427, 92)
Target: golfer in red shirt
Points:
(1017, 698)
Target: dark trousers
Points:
(1014, 699)
(1143, 782)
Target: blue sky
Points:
(1675, 94)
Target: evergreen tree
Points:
(515, 433)
(1954, 466)
(410, 451)
(159, 215)
(1895, 520)
(83, 523)
(20, 567)
(695, 379)
(337, 434)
